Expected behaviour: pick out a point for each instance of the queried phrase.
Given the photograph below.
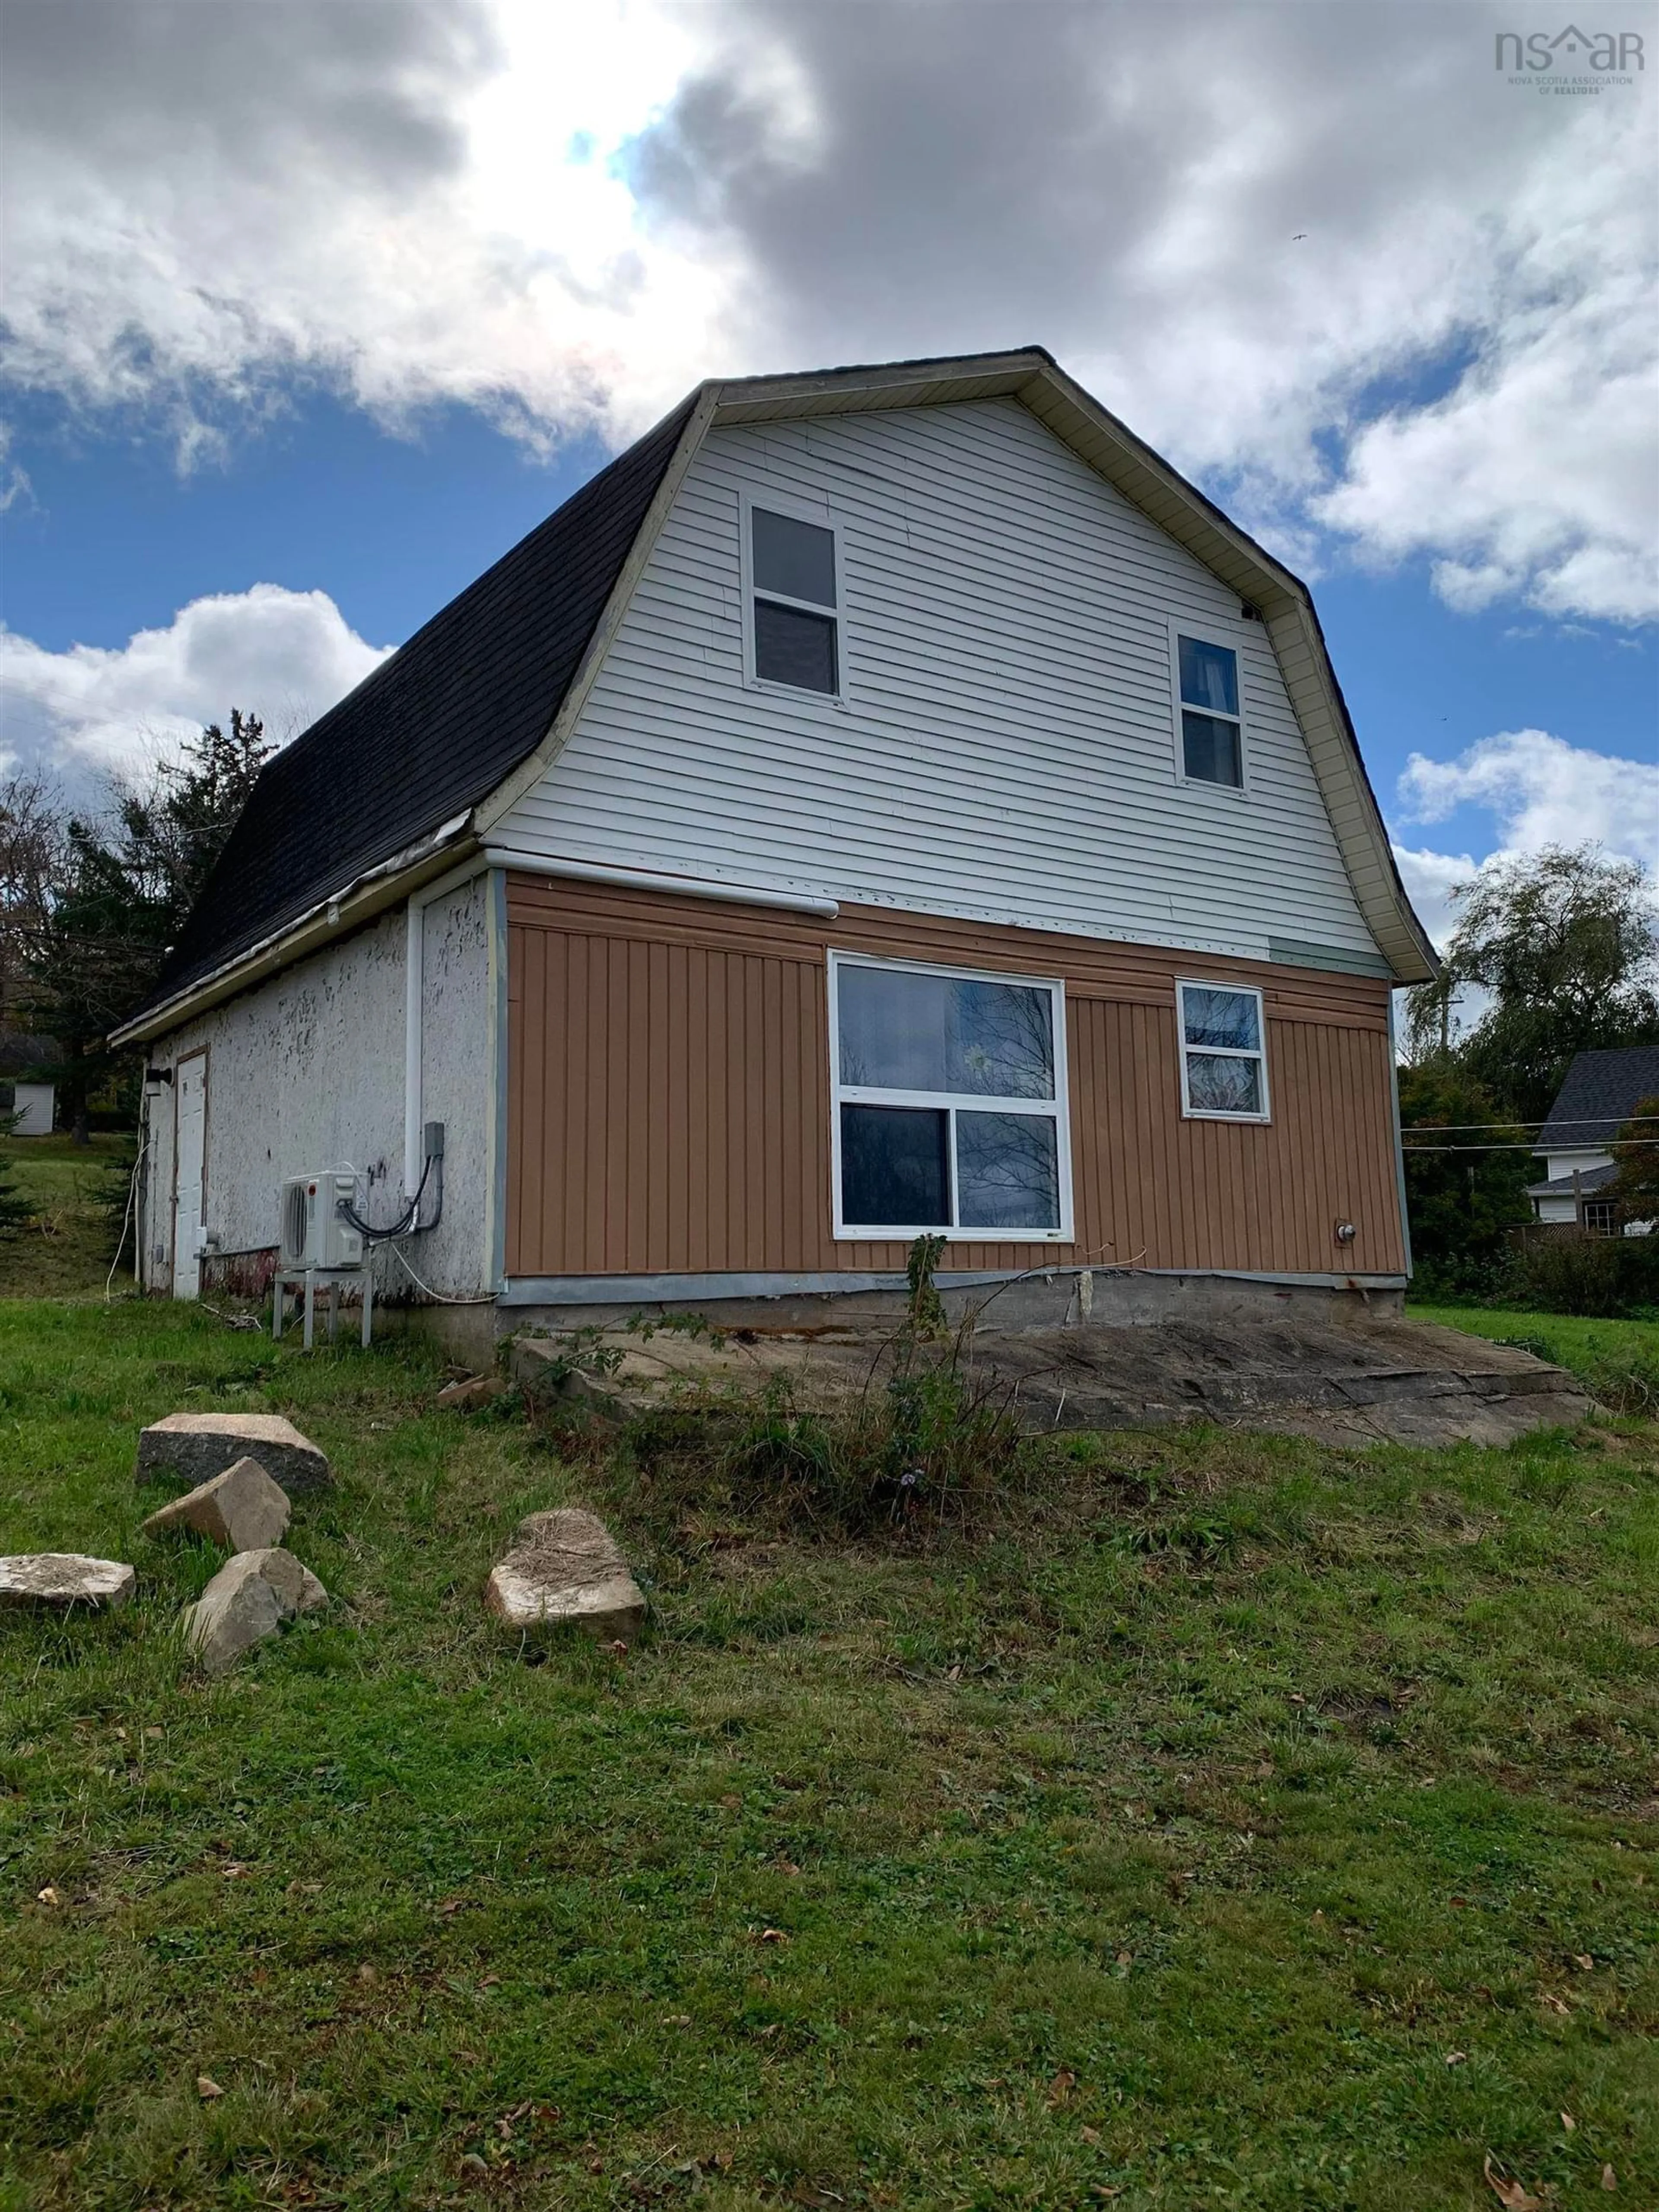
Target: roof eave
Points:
(335, 915)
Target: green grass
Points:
(1618, 1359)
(1238, 1823)
(64, 1248)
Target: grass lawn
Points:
(1234, 1823)
(1620, 1359)
(66, 1247)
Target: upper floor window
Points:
(1223, 1055)
(1212, 723)
(950, 1103)
(793, 594)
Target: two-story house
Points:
(885, 800)
(1599, 1094)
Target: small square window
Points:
(1223, 1057)
(793, 611)
(1212, 721)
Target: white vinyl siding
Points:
(1004, 747)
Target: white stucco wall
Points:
(307, 1072)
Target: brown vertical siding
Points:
(669, 1077)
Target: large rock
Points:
(64, 1578)
(242, 1509)
(198, 1446)
(565, 1568)
(249, 1599)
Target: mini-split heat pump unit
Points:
(314, 1234)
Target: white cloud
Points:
(284, 655)
(1429, 879)
(1535, 477)
(1250, 230)
(1538, 790)
(1541, 791)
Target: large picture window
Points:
(793, 590)
(949, 1103)
(1224, 1054)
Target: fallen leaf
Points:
(773, 1935)
(787, 1866)
(366, 1974)
(490, 1982)
(154, 1734)
(1583, 1959)
(47, 1896)
(1090, 2135)
(731, 1801)
(234, 1870)
(1060, 2088)
(1510, 2194)
(1609, 2179)
(1458, 2058)
(1568, 2121)
(1125, 1957)
(1557, 2004)
(206, 2086)
(617, 1649)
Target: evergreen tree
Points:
(127, 881)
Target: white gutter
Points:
(639, 879)
(364, 895)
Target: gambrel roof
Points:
(405, 776)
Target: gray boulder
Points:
(242, 1509)
(566, 1569)
(249, 1599)
(62, 1579)
(198, 1446)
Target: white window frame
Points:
(1057, 1109)
(1231, 637)
(799, 510)
(1189, 1112)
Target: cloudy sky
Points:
(311, 306)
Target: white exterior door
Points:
(189, 1173)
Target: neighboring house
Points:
(1600, 1091)
(882, 800)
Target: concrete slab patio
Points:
(1347, 1381)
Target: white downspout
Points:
(414, 1013)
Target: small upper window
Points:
(1224, 1059)
(1211, 727)
(795, 616)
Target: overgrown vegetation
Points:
(1617, 1360)
(1212, 1820)
(72, 1199)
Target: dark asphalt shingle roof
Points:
(1601, 1091)
(435, 729)
(1590, 1180)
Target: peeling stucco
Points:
(307, 1072)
